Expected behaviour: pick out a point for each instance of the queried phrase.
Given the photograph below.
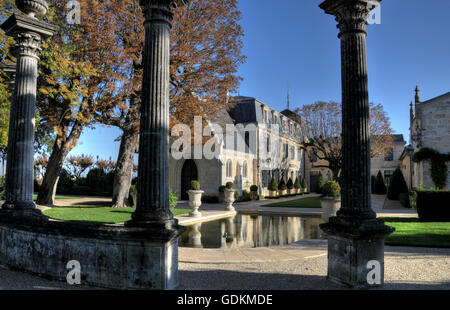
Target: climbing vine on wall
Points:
(438, 165)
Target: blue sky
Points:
(293, 44)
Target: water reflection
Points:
(248, 231)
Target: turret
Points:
(417, 94)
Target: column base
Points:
(22, 212)
(356, 252)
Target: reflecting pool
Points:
(251, 231)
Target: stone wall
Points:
(434, 117)
(110, 257)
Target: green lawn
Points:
(412, 232)
(310, 202)
(96, 214)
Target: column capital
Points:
(351, 15)
(28, 33)
(160, 10)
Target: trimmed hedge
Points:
(398, 185)
(433, 206)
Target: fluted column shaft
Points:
(28, 33)
(20, 157)
(153, 185)
(356, 189)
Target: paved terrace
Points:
(301, 265)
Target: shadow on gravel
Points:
(232, 280)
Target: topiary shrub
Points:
(290, 184)
(195, 185)
(433, 206)
(320, 184)
(253, 188)
(229, 185)
(297, 184)
(373, 180)
(282, 185)
(222, 188)
(244, 197)
(380, 187)
(397, 186)
(331, 189)
(273, 186)
(304, 184)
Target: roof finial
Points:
(288, 101)
(417, 94)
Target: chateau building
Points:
(272, 147)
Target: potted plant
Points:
(330, 200)
(273, 188)
(282, 188)
(229, 196)
(297, 186)
(304, 186)
(195, 198)
(290, 186)
(254, 192)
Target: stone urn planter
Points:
(33, 8)
(330, 206)
(282, 192)
(272, 193)
(229, 199)
(195, 201)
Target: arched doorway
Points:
(188, 174)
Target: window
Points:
(229, 169)
(390, 155)
(245, 170)
(286, 151)
(292, 153)
(247, 141)
(299, 155)
(268, 144)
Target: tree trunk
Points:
(124, 169)
(61, 149)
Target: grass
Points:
(412, 232)
(310, 202)
(96, 214)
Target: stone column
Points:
(355, 236)
(28, 33)
(153, 186)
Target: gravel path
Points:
(406, 269)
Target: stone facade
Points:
(430, 128)
(279, 135)
(387, 164)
